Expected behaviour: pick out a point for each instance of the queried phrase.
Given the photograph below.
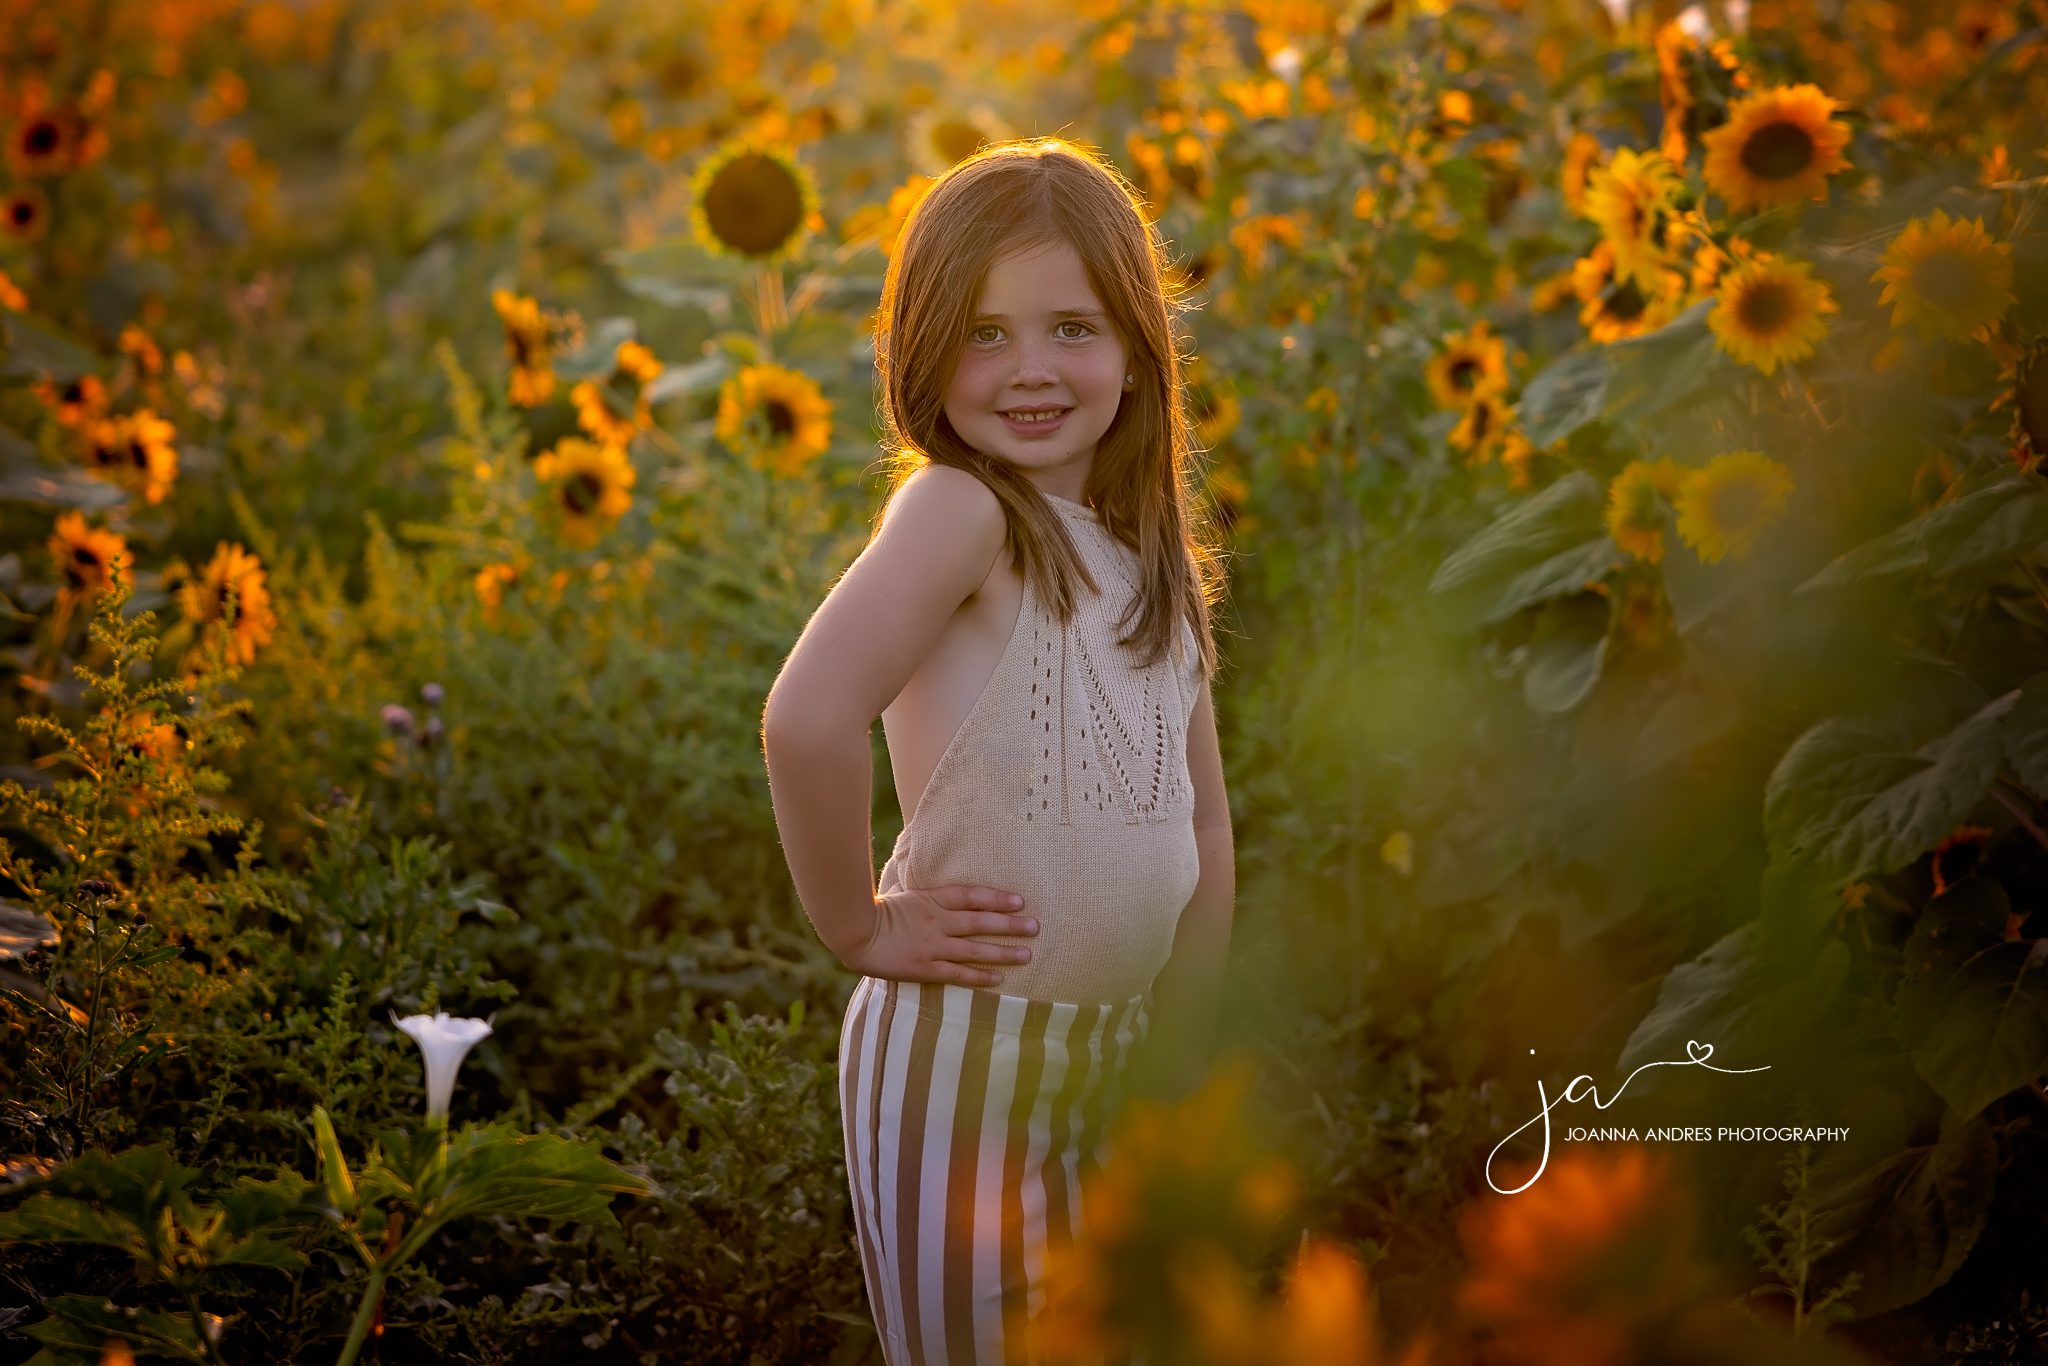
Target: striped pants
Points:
(972, 1119)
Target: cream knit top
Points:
(1068, 785)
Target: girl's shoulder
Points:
(939, 496)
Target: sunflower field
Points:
(425, 427)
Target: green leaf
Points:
(1990, 516)
(341, 1190)
(1906, 1224)
(46, 1218)
(1573, 571)
(1847, 800)
(497, 1170)
(1754, 996)
(1973, 1007)
(1564, 516)
(1660, 370)
(1565, 395)
(143, 1330)
(2026, 735)
(36, 350)
(1565, 653)
(598, 355)
(163, 954)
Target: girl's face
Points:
(1042, 373)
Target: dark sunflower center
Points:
(1482, 421)
(581, 493)
(1737, 504)
(955, 140)
(1946, 280)
(678, 75)
(1778, 151)
(781, 419)
(85, 557)
(42, 137)
(754, 205)
(1766, 308)
(1625, 303)
(21, 212)
(1464, 374)
(74, 392)
(138, 454)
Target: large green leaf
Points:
(1661, 370)
(1565, 652)
(1565, 395)
(75, 1318)
(1844, 798)
(1907, 1223)
(1563, 518)
(2026, 735)
(1973, 1007)
(1753, 996)
(1990, 516)
(36, 350)
(1571, 571)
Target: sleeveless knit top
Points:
(1068, 785)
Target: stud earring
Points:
(1129, 380)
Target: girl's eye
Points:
(988, 332)
(1079, 330)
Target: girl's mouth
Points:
(1034, 421)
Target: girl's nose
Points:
(1034, 366)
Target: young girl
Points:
(1030, 622)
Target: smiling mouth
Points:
(1033, 416)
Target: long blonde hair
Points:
(1140, 484)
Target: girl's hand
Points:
(922, 936)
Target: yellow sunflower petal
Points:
(1723, 508)
(1770, 312)
(1779, 146)
(1947, 276)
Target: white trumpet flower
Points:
(443, 1040)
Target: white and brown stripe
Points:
(972, 1118)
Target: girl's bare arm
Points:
(1186, 990)
(937, 546)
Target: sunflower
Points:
(87, 558)
(135, 451)
(1483, 428)
(1611, 309)
(938, 141)
(751, 199)
(588, 486)
(1778, 147)
(1637, 507)
(1471, 363)
(11, 297)
(1770, 311)
(1581, 155)
(776, 417)
(883, 224)
(596, 415)
(1723, 508)
(530, 336)
(637, 362)
(46, 142)
(232, 571)
(1947, 275)
(24, 214)
(75, 403)
(1631, 199)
